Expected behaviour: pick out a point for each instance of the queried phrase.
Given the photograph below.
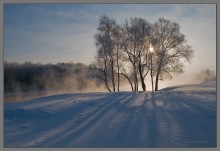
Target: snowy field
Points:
(180, 116)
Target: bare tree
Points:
(117, 36)
(131, 51)
(152, 67)
(108, 45)
(99, 70)
(170, 49)
(206, 75)
(126, 70)
(137, 43)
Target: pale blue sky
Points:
(51, 33)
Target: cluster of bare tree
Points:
(136, 49)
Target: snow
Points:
(180, 116)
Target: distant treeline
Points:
(31, 77)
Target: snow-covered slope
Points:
(181, 116)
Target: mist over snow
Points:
(34, 78)
(179, 116)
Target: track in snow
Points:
(126, 119)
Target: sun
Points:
(151, 49)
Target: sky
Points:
(52, 33)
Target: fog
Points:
(189, 78)
(182, 79)
(26, 81)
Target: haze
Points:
(52, 33)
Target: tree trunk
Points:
(132, 88)
(151, 74)
(142, 78)
(156, 82)
(105, 74)
(106, 82)
(118, 74)
(135, 78)
(152, 83)
(113, 76)
(135, 82)
(118, 80)
(107, 86)
(157, 74)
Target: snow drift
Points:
(180, 116)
